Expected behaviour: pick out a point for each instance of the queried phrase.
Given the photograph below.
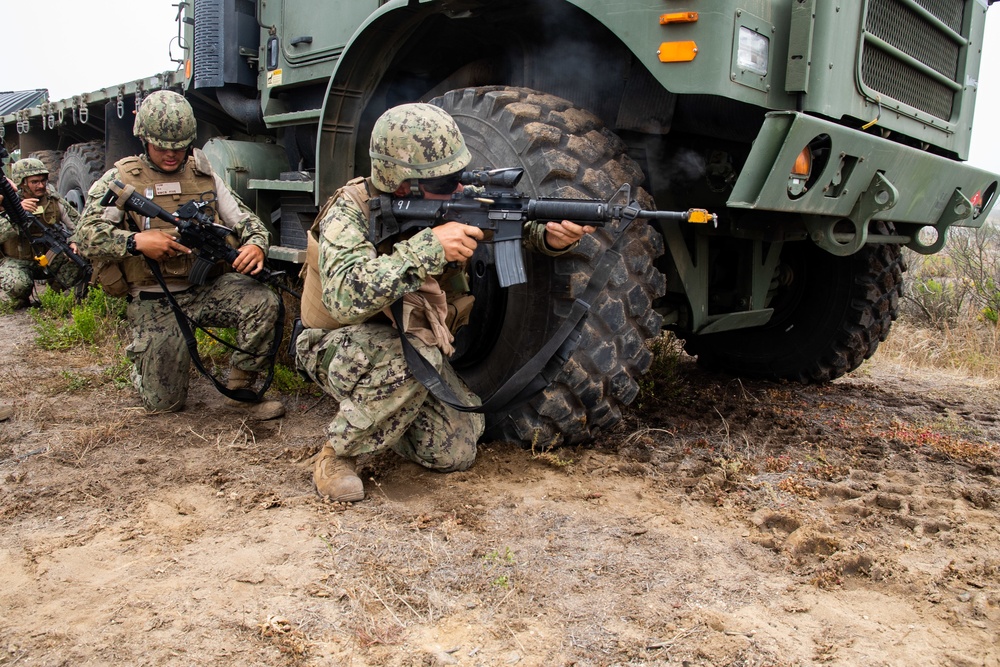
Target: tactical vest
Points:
(170, 191)
(19, 247)
(314, 313)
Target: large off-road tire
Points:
(830, 314)
(565, 152)
(82, 164)
(52, 161)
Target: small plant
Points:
(119, 372)
(495, 562)
(57, 303)
(496, 557)
(75, 381)
(548, 454)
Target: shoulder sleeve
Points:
(236, 215)
(67, 212)
(99, 233)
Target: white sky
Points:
(88, 46)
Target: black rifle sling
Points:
(538, 372)
(242, 395)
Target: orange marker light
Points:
(677, 52)
(803, 163)
(678, 17)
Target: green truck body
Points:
(825, 134)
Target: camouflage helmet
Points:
(415, 141)
(26, 167)
(166, 120)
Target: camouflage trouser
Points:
(159, 353)
(18, 276)
(381, 404)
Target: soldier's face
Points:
(166, 159)
(35, 185)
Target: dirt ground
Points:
(736, 523)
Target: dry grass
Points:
(969, 347)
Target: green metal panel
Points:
(238, 162)
(800, 41)
(712, 71)
(311, 36)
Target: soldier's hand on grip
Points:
(159, 245)
(459, 241)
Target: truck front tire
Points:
(565, 152)
(829, 316)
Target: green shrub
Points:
(213, 352)
(662, 383)
(288, 381)
(97, 317)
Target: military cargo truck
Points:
(825, 134)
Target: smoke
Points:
(686, 166)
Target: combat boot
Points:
(262, 411)
(335, 477)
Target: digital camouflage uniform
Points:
(18, 268)
(158, 351)
(361, 364)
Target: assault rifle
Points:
(197, 232)
(46, 240)
(497, 207)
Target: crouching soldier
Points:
(171, 172)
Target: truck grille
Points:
(899, 25)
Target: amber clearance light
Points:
(678, 17)
(677, 52)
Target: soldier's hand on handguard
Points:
(158, 245)
(250, 261)
(559, 235)
(459, 241)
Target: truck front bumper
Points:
(862, 177)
